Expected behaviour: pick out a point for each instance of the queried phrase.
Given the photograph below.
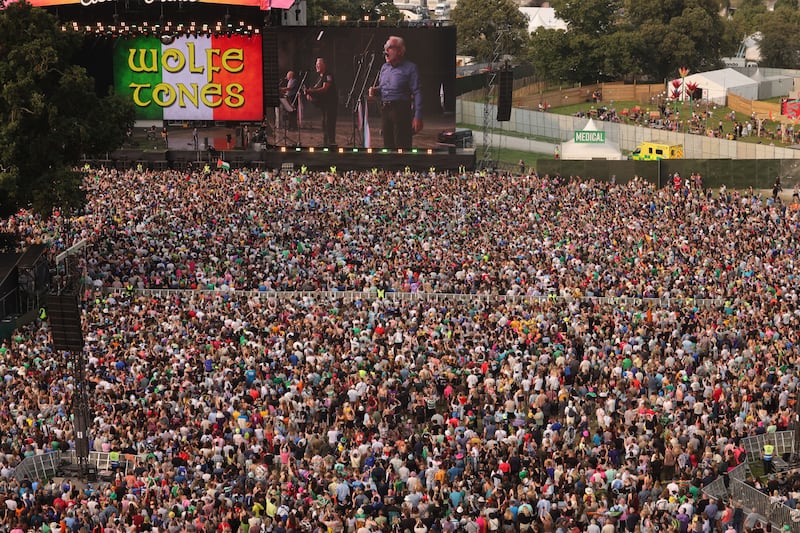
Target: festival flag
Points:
(224, 165)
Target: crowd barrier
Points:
(400, 296)
(48, 465)
(784, 442)
(747, 496)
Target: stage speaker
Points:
(272, 76)
(64, 319)
(504, 95)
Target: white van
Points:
(442, 10)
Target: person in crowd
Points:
(382, 361)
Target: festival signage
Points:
(791, 108)
(590, 136)
(191, 78)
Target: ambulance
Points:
(654, 151)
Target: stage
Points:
(229, 145)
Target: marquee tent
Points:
(716, 84)
(572, 150)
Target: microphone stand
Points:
(296, 104)
(361, 75)
(361, 99)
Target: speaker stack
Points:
(505, 94)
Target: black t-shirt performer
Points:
(324, 95)
(401, 95)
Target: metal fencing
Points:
(746, 495)
(784, 442)
(756, 501)
(420, 296)
(38, 467)
(48, 465)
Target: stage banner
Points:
(191, 78)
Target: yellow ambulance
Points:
(653, 151)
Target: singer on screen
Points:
(400, 93)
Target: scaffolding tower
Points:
(487, 157)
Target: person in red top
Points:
(717, 394)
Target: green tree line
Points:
(630, 39)
(50, 113)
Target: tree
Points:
(747, 16)
(590, 17)
(674, 34)
(353, 10)
(595, 47)
(780, 38)
(786, 4)
(50, 114)
(478, 23)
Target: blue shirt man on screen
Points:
(400, 92)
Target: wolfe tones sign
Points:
(590, 137)
(192, 78)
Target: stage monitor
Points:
(191, 78)
(354, 57)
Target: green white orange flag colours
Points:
(191, 78)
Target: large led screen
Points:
(191, 78)
(354, 57)
(88, 3)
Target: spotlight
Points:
(167, 39)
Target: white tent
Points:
(572, 150)
(543, 17)
(716, 84)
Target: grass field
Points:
(684, 109)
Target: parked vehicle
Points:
(654, 151)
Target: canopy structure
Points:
(543, 17)
(716, 84)
(590, 143)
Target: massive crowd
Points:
(472, 384)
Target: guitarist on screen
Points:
(325, 96)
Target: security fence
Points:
(48, 465)
(734, 485)
(420, 296)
